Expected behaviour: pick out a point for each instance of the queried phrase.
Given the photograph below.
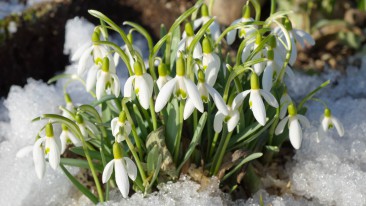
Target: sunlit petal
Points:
(193, 94)
(128, 88)
(131, 168)
(218, 120)
(258, 109)
(338, 125)
(107, 172)
(267, 79)
(233, 121)
(38, 158)
(295, 133)
(238, 100)
(219, 102)
(164, 95)
(144, 91)
(82, 61)
(269, 98)
(188, 109)
(281, 126)
(303, 120)
(54, 154)
(121, 177)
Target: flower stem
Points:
(179, 132)
(153, 115)
(222, 152)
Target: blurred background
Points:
(32, 32)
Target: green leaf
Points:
(172, 123)
(251, 129)
(245, 160)
(195, 140)
(257, 7)
(93, 154)
(140, 122)
(142, 31)
(78, 185)
(80, 163)
(199, 35)
(174, 46)
(61, 76)
(152, 156)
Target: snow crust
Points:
(331, 172)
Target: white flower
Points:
(86, 127)
(66, 136)
(186, 41)
(163, 75)
(121, 128)
(84, 53)
(141, 84)
(182, 88)
(70, 109)
(295, 131)
(249, 48)
(46, 146)
(211, 62)
(246, 31)
(231, 118)
(123, 167)
(214, 27)
(328, 121)
(205, 90)
(255, 100)
(296, 35)
(107, 80)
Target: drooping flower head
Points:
(46, 147)
(121, 127)
(163, 75)
(186, 41)
(249, 48)
(141, 85)
(214, 28)
(181, 86)
(295, 130)
(210, 61)
(70, 108)
(255, 100)
(67, 137)
(229, 115)
(328, 121)
(124, 167)
(107, 81)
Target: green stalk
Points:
(179, 132)
(153, 115)
(222, 153)
(273, 7)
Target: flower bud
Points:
(79, 119)
(327, 112)
(254, 81)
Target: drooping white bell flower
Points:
(46, 147)
(107, 81)
(124, 167)
(88, 50)
(86, 127)
(66, 137)
(186, 41)
(214, 27)
(249, 48)
(163, 75)
(70, 108)
(181, 86)
(211, 62)
(120, 127)
(328, 121)
(244, 31)
(205, 90)
(141, 85)
(296, 36)
(255, 100)
(295, 130)
(231, 119)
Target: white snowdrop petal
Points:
(303, 120)
(289, 72)
(233, 121)
(131, 168)
(298, 39)
(230, 38)
(127, 128)
(121, 177)
(116, 58)
(128, 88)
(54, 154)
(293, 52)
(116, 89)
(269, 98)
(91, 77)
(164, 95)
(181, 46)
(197, 23)
(306, 36)
(38, 158)
(107, 172)
(295, 133)
(80, 51)
(188, 109)
(267, 79)
(218, 120)
(63, 138)
(213, 67)
(238, 100)
(219, 102)
(193, 94)
(338, 125)
(114, 126)
(101, 84)
(246, 52)
(82, 61)
(76, 141)
(144, 91)
(281, 126)
(197, 52)
(215, 30)
(258, 109)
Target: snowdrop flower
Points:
(85, 127)
(248, 49)
(163, 75)
(68, 137)
(327, 122)
(70, 109)
(91, 77)
(85, 51)
(296, 35)
(186, 41)
(211, 62)
(121, 128)
(182, 87)
(124, 167)
(214, 27)
(230, 116)
(255, 100)
(205, 90)
(246, 31)
(284, 101)
(141, 84)
(46, 146)
(106, 79)
(295, 131)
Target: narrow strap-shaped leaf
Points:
(199, 35)
(140, 122)
(195, 140)
(251, 129)
(80, 163)
(245, 160)
(81, 187)
(102, 100)
(142, 31)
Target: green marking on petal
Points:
(201, 76)
(205, 99)
(47, 150)
(227, 118)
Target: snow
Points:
(330, 172)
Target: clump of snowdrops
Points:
(187, 104)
